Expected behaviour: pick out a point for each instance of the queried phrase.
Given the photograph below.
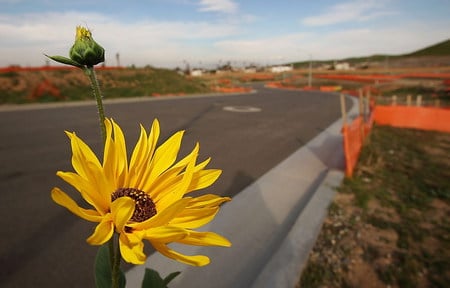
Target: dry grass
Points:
(389, 224)
(20, 87)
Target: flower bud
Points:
(85, 50)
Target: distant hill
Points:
(440, 49)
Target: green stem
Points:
(111, 252)
(114, 249)
(115, 261)
(98, 97)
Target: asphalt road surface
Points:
(43, 245)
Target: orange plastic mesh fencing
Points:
(425, 118)
(353, 137)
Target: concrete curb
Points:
(273, 223)
(286, 264)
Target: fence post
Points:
(343, 110)
(361, 105)
(361, 114)
(394, 100)
(408, 100)
(419, 100)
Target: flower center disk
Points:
(144, 208)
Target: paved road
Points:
(43, 245)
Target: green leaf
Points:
(122, 279)
(170, 277)
(102, 269)
(65, 60)
(152, 279)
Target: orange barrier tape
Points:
(257, 77)
(330, 88)
(426, 75)
(381, 77)
(233, 89)
(359, 78)
(425, 118)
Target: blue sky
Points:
(165, 33)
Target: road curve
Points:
(43, 245)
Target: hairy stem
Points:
(98, 97)
(115, 263)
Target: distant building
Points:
(280, 69)
(250, 69)
(196, 72)
(342, 66)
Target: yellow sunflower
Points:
(143, 199)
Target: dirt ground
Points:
(383, 231)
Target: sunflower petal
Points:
(203, 179)
(205, 239)
(207, 200)
(153, 136)
(169, 181)
(142, 179)
(138, 161)
(165, 234)
(195, 260)
(103, 232)
(121, 153)
(194, 218)
(202, 165)
(87, 190)
(109, 154)
(64, 200)
(180, 189)
(164, 183)
(87, 165)
(121, 211)
(165, 156)
(200, 211)
(115, 163)
(82, 154)
(132, 250)
(101, 187)
(163, 217)
(185, 161)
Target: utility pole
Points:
(309, 68)
(310, 71)
(118, 59)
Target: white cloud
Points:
(224, 6)
(27, 37)
(167, 43)
(358, 10)
(337, 44)
(271, 49)
(368, 41)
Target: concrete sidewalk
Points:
(273, 223)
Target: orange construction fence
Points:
(415, 117)
(354, 135)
